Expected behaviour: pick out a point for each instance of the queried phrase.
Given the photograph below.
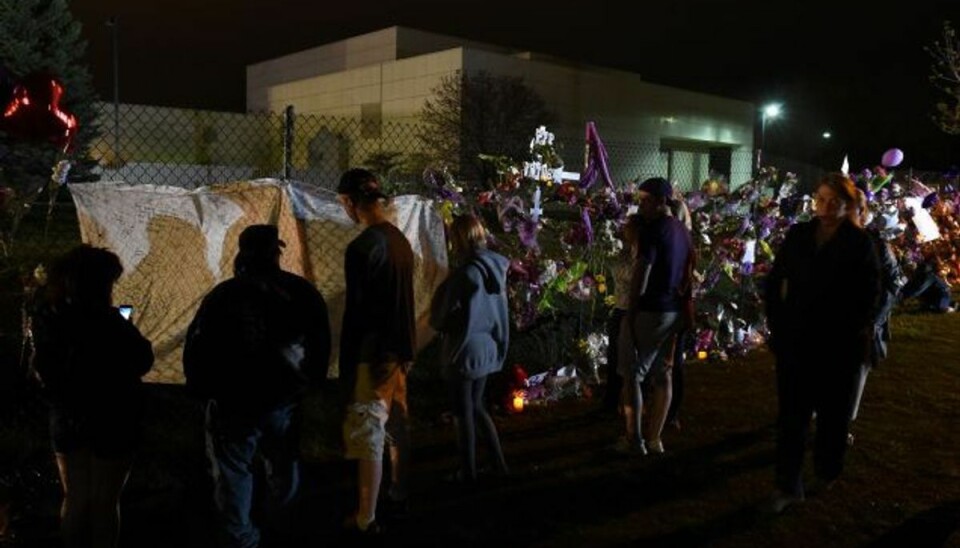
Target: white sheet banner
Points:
(176, 244)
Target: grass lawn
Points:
(901, 486)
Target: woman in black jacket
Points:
(90, 361)
(470, 311)
(889, 288)
(821, 298)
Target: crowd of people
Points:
(261, 339)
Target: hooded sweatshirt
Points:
(470, 311)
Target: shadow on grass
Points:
(932, 527)
(703, 534)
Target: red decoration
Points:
(34, 113)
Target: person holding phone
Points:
(126, 310)
(90, 362)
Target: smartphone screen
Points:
(126, 311)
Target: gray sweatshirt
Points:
(470, 311)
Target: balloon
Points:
(892, 157)
(33, 112)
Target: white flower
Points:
(549, 273)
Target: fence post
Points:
(287, 141)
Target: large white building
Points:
(387, 75)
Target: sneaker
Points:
(373, 529)
(779, 502)
(656, 447)
(626, 446)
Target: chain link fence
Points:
(190, 148)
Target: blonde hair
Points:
(858, 214)
(467, 234)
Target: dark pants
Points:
(677, 379)
(471, 413)
(233, 443)
(822, 385)
(930, 289)
(611, 398)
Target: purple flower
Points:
(527, 231)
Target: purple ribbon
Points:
(595, 164)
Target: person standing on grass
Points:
(620, 343)
(377, 347)
(821, 297)
(90, 361)
(679, 209)
(889, 288)
(661, 277)
(470, 312)
(258, 341)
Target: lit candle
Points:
(702, 355)
(518, 401)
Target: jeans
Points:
(234, 442)
(929, 288)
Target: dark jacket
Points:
(823, 300)
(470, 310)
(90, 361)
(257, 342)
(889, 288)
(379, 323)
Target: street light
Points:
(771, 111)
(827, 135)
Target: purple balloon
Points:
(892, 157)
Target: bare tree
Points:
(481, 113)
(945, 76)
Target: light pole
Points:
(771, 111)
(114, 24)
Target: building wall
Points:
(345, 55)
(641, 123)
(358, 52)
(399, 86)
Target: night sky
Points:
(858, 69)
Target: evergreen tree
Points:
(41, 36)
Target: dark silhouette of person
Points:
(821, 300)
(257, 343)
(929, 288)
(889, 288)
(90, 361)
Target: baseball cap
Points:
(657, 187)
(260, 240)
(360, 182)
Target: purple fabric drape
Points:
(595, 164)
